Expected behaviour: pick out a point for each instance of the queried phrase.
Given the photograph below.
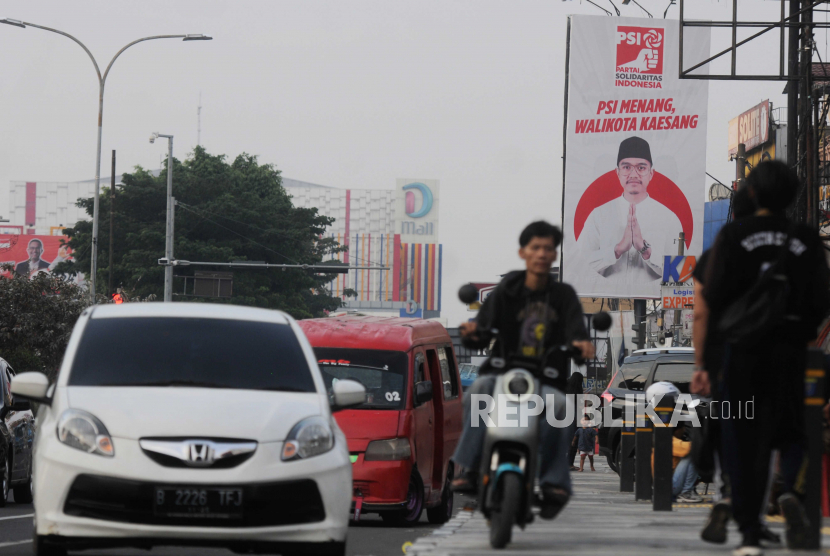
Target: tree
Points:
(226, 212)
(36, 320)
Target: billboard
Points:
(416, 210)
(635, 153)
(750, 128)
(31, 254)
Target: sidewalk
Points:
(599, 520)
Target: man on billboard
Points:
(626, 239)
(34, 263)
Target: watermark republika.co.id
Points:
(560, 410)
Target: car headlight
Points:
(85, 432)
(310, 437)
(388, 450)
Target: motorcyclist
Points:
(531, 313)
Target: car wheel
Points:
(617, 458)
(23, 493)
(42, 548)
(5, 483)
(414, 503)
(443, 511)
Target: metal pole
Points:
(804, 203)
(792, 86)
(626, 461)
(813, 419)
(642, 451)
(94, 256)
(112, 219)
(662, 495)
(740, 166)
(168, 251)
(678, 313)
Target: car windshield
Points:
(197, 352)
(382, 373)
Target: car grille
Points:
(265, 504)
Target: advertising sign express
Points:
(635, 154)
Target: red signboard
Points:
(31, 254)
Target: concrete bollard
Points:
(642, 448)
(813, 424)
(626, 461)
(663, 472)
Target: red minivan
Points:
(402, 438)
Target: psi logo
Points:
(639, 57)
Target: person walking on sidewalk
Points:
(764, 367)
(587, 438)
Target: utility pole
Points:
(112, 225)
(792, 86)
(804, 201)
(168, 249)
(199, 122)
(678, 313)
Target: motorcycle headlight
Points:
(310, 437)
(519, 385)
(83, 431)
(388, 450)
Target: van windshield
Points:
(191, 352)
(382, 373)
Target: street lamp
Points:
(168, 236)
(101, 82)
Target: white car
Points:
(189, 424)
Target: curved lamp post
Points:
(102, 79)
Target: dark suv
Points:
(17, 435)
(639, 371)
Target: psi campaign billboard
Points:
(635, 153)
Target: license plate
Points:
(199, 503)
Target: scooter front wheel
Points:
(504, 516)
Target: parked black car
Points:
(639, 371)
(17, 436)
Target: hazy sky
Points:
(351, 94)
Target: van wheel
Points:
(5, 482)
(443, 511)
(414, 503)
(41, 548)
(23, 493)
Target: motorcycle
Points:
(510, 454)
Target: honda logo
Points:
(200, 453)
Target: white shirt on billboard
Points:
(605, 226)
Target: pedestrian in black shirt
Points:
(760, 379)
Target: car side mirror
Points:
(423, 392)
(32, 387)
(347, 394)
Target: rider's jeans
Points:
(553, 441)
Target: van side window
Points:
(419, 368)
(448, 374)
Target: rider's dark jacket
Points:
(530, 322)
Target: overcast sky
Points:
(352, 94)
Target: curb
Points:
(427, 544)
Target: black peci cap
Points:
(634, 147)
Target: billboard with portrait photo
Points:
(30, 255)
(635, 154)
